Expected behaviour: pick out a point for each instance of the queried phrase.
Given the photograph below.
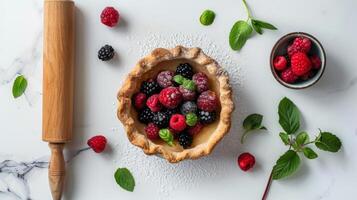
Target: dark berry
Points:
(106, 53)
(146, 115)
(161, 119)
(185, 70)
(150, 87)
(185, 140)
(170, 112)
(206, 117)
(164, 78)
(188, 107)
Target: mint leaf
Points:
(285, 138)
(250, 123)
(257, 28)
(302, 138)
(262, 24)
(207, 17)
(286, 165)
(166, 135)
(289, 118)
(309, 153)
(189, 84)
(328, 142)
(239, 34)
(19, 86)
(125, 179)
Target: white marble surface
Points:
(331, 104)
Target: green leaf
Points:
(250, 123)
(328, 142)
(207, 17)
(302, 138)
(309, 153)
(19, 86)
(239, 34)
(166, 135)
(286, 165)
(189, 84)
(289, 118)
(285, 138)
(257, 28)
(262, 24)
(179, 79)
(125, 179)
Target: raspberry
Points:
(164, 78)
(109, 16)
(150, 87)
(177, 122)
(152, 131)
(300, 44)
(201, 82)
(146, 115)
(207, 101)
(280, 63)
(139, 100)
(300, 64)
(188, 107)
(246, 161)
(187, 95)
(170, 97)
(185, 69)
(153, 103)
(106, 53)
(161, 119)
(194, 130)
(288, 76)
(206, 117)
(97, 143)
(315, 61)
(191, 119)
(185, 140)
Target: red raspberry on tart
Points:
(139, 100)
(178, 122)
(153, 103)
(170, 97)
(207, 101)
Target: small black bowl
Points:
(280, 48)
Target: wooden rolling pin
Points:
(58, 74)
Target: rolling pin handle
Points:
(56, 171)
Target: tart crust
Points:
(147, 67)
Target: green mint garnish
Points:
(251, 123)
(189, 84)
(191, 119)
(286, 165)
(19, 86)
(207, 17)
(166, 136)
(179, 79)
(289, 116)
(328, 142)
(124, 179)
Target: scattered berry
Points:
(300, 64)
(164, 78)
(153, 103)
(97, 143)
(246, 161)
(185, 69)
(194, 130)
(280, 63)
(300, 44)
(161, 119)
(288, 76)
(152, 131)
(206, 117)
(146, 115)
(207, 101)
(139, 100)
(185, 140)
(106, 53)
(170, 97)
(316, 62)
(187, 95)
(150, 87)
(191, 119)
(110, 16)
(188, 107)
(201, 81)
(177, 122)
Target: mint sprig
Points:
(125, 179)
(207, 17)
(19, 86)
(251, 123)
(242, 30)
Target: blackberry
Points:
(206, 117)
(146, 115)
(170, 112)
(185, 69)
(188, 107)
(185, 140)
(161, 119)
(106, 53)
(150, 87)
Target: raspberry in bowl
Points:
(297, 60)
(176, 103)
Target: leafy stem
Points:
(247, 10)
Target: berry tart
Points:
(177, 103)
